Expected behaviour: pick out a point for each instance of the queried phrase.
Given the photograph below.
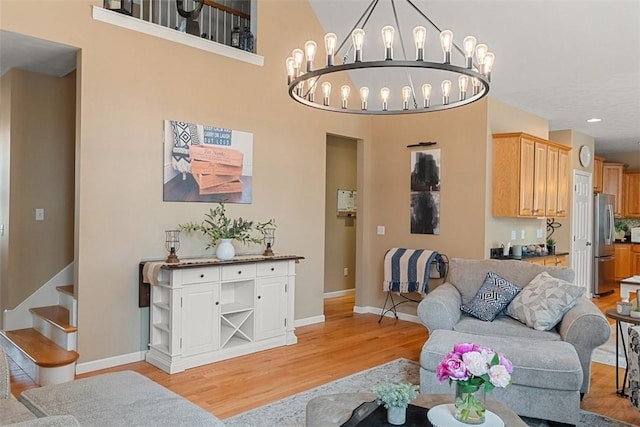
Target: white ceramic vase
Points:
(396, 415)
(225, 250)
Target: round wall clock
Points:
(585, 156)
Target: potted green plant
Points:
(396, 397)
(551, 246)
(221, 230)
(621, 230)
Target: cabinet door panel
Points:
(563, 183)
(271, 307)
(631, 190)
(540, 179)
(622, 263)
(527, 179)
(200, 314)
(612, 184)
(551, 205)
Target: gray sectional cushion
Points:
(544, 301)
(504, 326)
(493, 296)
(54, 421)
(117, 399)
(12, 411)
(467, 275)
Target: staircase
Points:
(47, 350)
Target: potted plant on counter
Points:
(551, 246)
(221, 230)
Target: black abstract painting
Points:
(425, 192)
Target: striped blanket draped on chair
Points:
(409, 270)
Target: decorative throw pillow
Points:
(544, 301)
(492, 297)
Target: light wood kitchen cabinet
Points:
(612, 184)
(635, 260)
(622, 265)
(530, 176)
(553, 260)
(631, 193)
(598, 163)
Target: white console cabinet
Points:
(202, 312)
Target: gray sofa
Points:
(583, 326)
(115, 399)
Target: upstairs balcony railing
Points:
(224, 21)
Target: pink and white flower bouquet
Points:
(475, 369)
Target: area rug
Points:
(606, 353)
(290, 412)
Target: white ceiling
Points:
(565, 61)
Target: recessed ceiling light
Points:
(594, 120)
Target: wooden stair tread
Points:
(56, 315)
(67, 289)
(40, 349)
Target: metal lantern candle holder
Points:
(172, 243)
(269, 240)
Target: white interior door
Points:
(581, 248)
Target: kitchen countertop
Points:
(531, 256)
(626, 242)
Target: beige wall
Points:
(340, 232)
(41, 168)
(5, 155)
(460, 134)
(128, 84)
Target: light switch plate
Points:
(513, 234)
(39, 214)
(380, 230)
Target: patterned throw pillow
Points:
(492, 297)
(544, 301)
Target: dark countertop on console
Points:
(528, 256)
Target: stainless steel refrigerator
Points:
(604, 281)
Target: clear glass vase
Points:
(470, 406)
(396, 415)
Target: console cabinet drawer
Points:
(200, 275)
(272, 269)
(238, 272)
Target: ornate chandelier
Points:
(472, 77)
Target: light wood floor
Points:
(346, 343)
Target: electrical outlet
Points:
(539, 233)
(522, 235)
(513, 234)
(380, 230)
(346, 271)
(39, 214)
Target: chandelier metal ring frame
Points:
(297, 79)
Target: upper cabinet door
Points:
(563, 183)
(631, 191)
(540, 179)
(527, 178)
(551, 205)
(612, 184)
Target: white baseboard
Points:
(110, 362)
(309, 321)
(378, 310)
(341, 293)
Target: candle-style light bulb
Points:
(446, 41)
(446, 90)
(312, 89)
(298, 56)
(406, 96)
(426, 94)
(291, 70)
(330, 44)
(489, 60)
(364, 97)
(469, 45)
(463, 84)
(310, 48)
(384, 94)
(387, 39)
(420, 39)
(326, 92)
(476, 85)
(345, 90)
(357, 36)
(300, 89)
(481, 53)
